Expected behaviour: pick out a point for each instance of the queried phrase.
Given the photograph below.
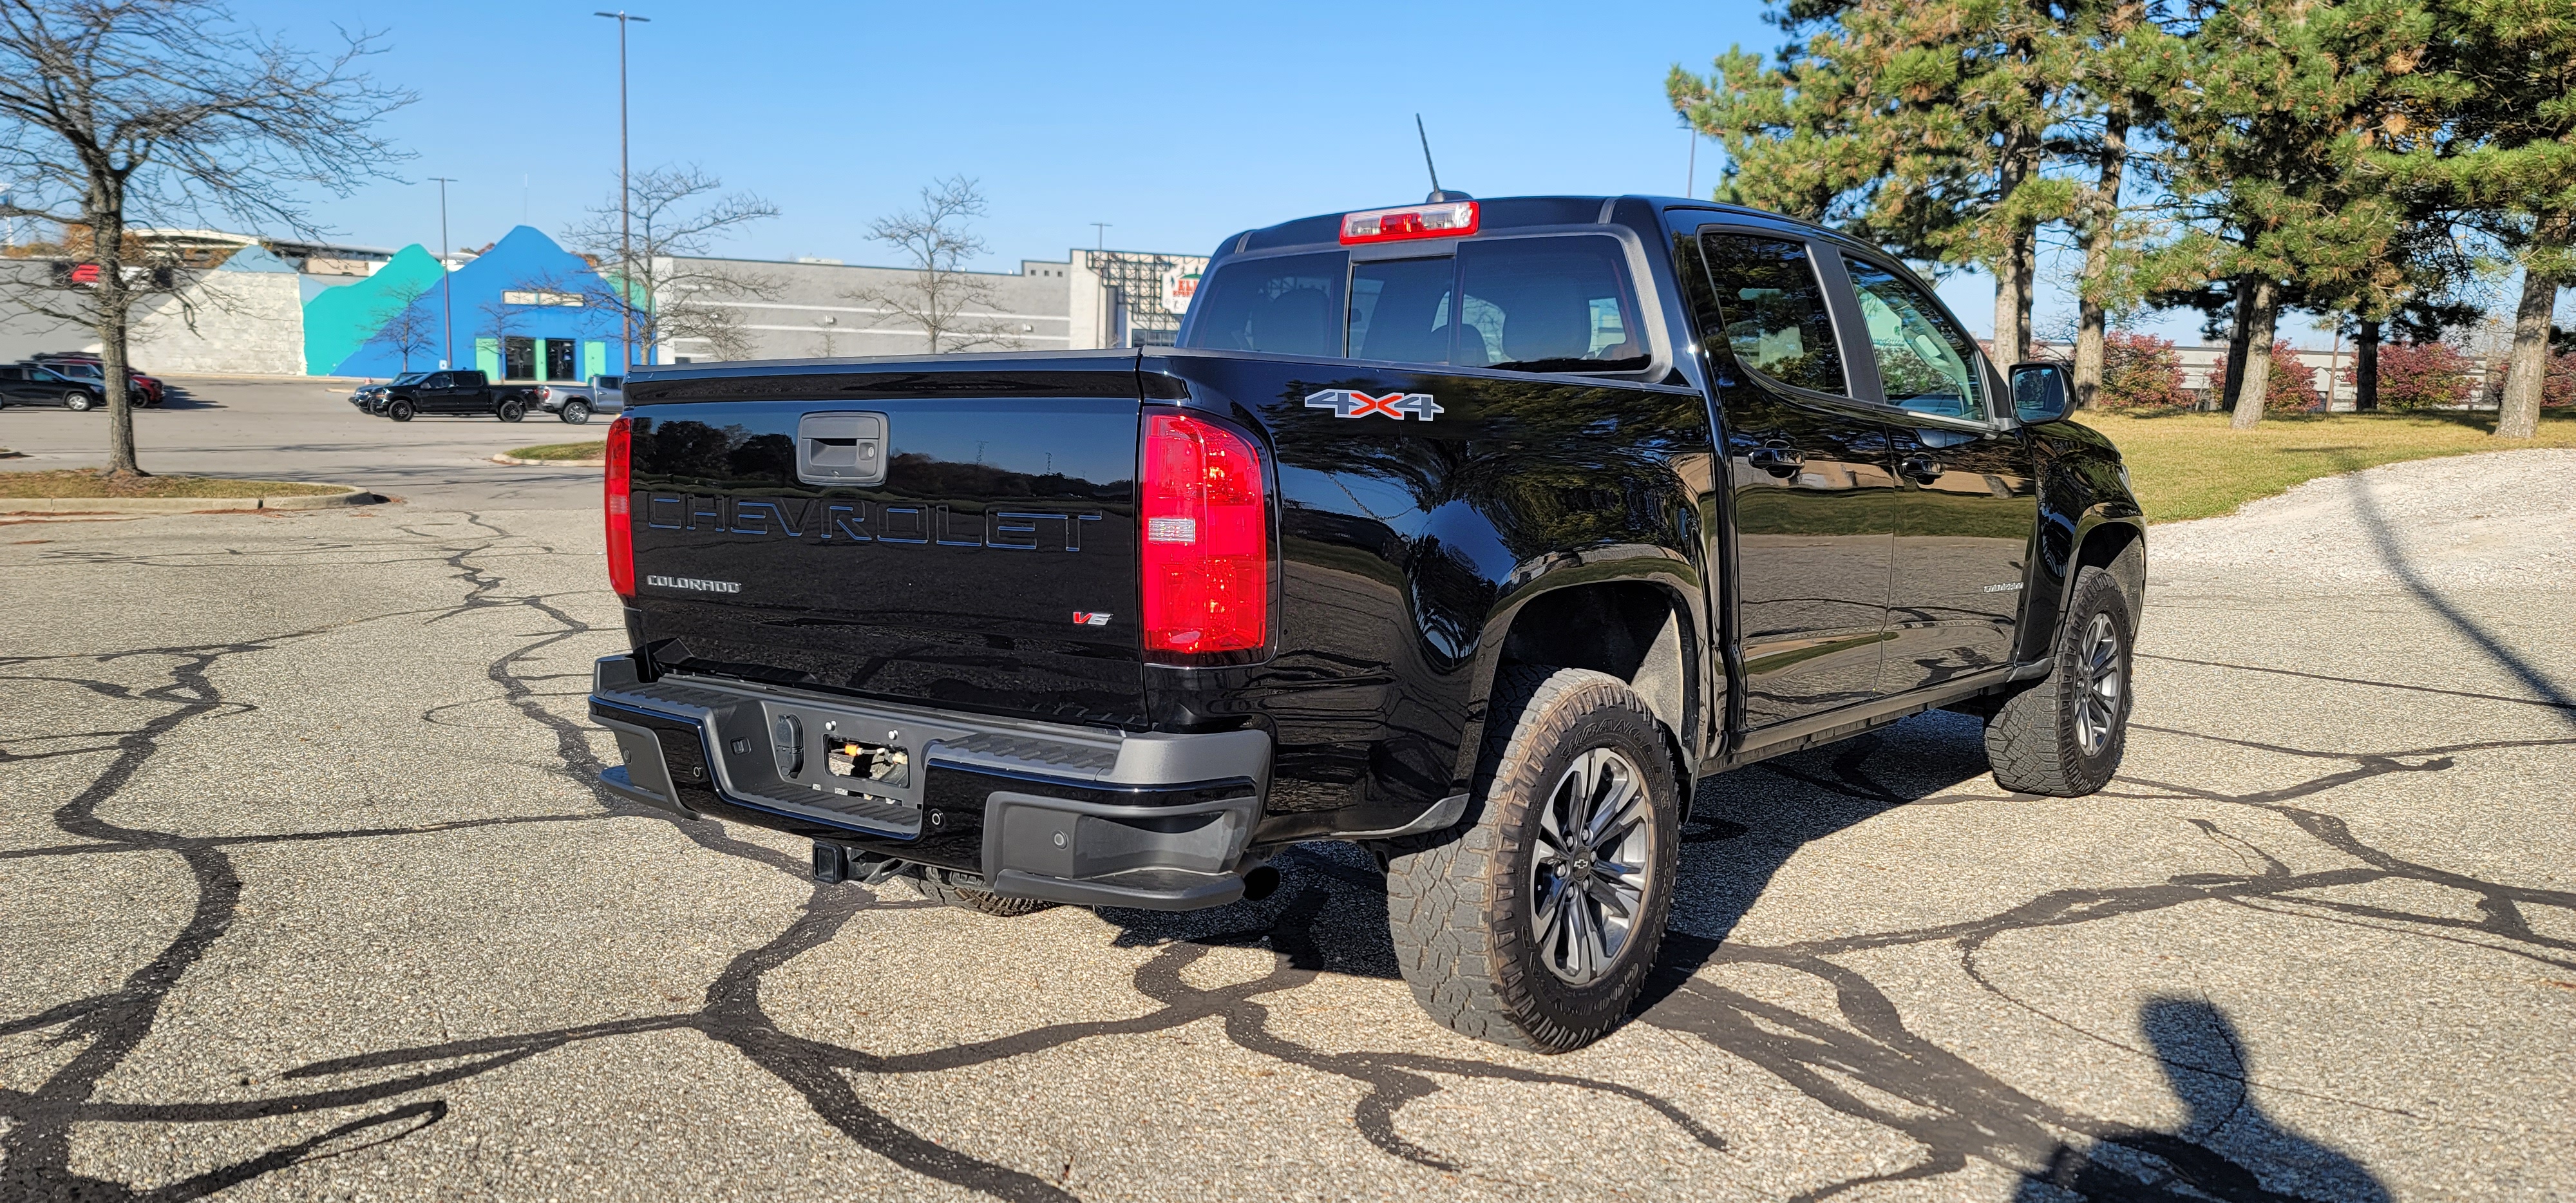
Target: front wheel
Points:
(400, 411)
(1534, 923)
(2064, 736)
(576, 412)
(77, 402)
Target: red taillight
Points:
(1206, 542)
(620, 495)
(1448, 219)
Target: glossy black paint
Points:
(1405, 549)
(1408, 552)
(955, 583)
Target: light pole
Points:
(446, 305)
(625, 198)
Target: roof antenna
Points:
(1437, 195)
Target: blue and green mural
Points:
(524, 310)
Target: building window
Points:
(540, 297)
(562, 362)
(518, 358)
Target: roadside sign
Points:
(1180, 283)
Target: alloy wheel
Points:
(2098, 682)
(1588, 878)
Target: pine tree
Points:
(2268, 161)
(1928, 126)
(2513, 162)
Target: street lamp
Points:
(625, 197)
(446, 303)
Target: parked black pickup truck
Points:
(446, 392)
(1481, 532)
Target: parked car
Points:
(1479, 533)
(147, 390)
(451, 391)
(40, 384)
(574, 403)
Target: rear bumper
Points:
(1070, 814)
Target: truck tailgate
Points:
(975, 553)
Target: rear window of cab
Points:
(1553, 303)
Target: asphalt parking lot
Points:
(308, 896)
(283, 429)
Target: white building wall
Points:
(224, 322)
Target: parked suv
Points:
(41, 384)
(147, 390)
(1480, 533)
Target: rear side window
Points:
(1774, 309)
(1548, 305)
(1290, 305)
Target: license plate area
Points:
(873, 767)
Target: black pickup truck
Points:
(1480, 532)
(452, 392)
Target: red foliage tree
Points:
(2293, 386)
(2419, 375)
(2557, 388)
(2140, 371)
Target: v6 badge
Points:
(1347, 403)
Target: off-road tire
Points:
(511, 410)
(400, 411)
(2032, 740)
(939, 885)
(1458, 902)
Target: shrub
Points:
(2140, 372)
(2418, 375)
(2293, 385)
(2557, 385)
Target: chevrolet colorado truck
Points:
(1480, 532)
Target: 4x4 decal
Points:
(1348, 403)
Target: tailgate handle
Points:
(841, 449)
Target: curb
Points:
(183, 505)
(550, 463)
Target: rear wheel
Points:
(77, 402)
(576, 412)
(1534, 924)
(2064, 736)
(400, 411)
(940, 885)
(511, 410)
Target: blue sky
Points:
(1176, 123)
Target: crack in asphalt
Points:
(1863, 1061)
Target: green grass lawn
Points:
(85, 482)
(594, 449)
(2190, 465)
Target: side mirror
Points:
(2043, 390)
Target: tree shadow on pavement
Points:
(2225, 1148)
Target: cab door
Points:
(1808, 464)
(1966, 500)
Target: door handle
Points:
(1776, 459)
(1921, 469)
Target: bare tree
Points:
(500, 322)
(936, 242)
(117, 115)
(671, 292)
(405, 327)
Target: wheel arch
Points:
(1642, 630)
